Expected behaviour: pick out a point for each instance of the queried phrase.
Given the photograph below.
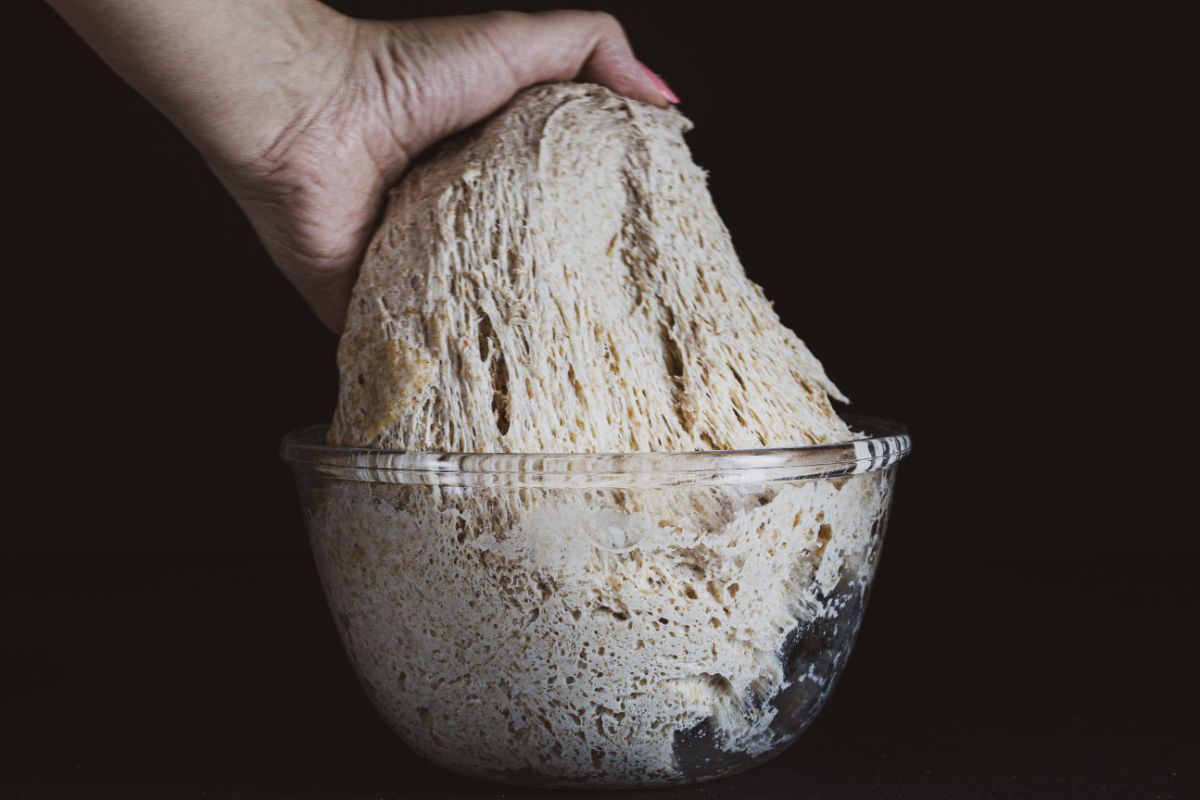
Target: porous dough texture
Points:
(590, 636)
(559, 281)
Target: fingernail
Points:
(659, 84)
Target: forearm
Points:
(209, 64)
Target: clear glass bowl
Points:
(598, 620)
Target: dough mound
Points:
(558, 280)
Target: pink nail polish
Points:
(659, 84)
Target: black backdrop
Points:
(940, 225)
(982, 242)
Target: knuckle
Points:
(606, 23)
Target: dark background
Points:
(976, 241)
(943, 227)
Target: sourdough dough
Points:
(559, 281)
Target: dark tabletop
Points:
(219, 675)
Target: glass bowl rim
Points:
(879, 445)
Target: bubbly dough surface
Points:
(560, 281)
(517, 632)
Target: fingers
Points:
(561, 45)
(457, 70)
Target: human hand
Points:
(308, 116)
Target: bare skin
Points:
(308, 116)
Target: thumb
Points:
(467, 67)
